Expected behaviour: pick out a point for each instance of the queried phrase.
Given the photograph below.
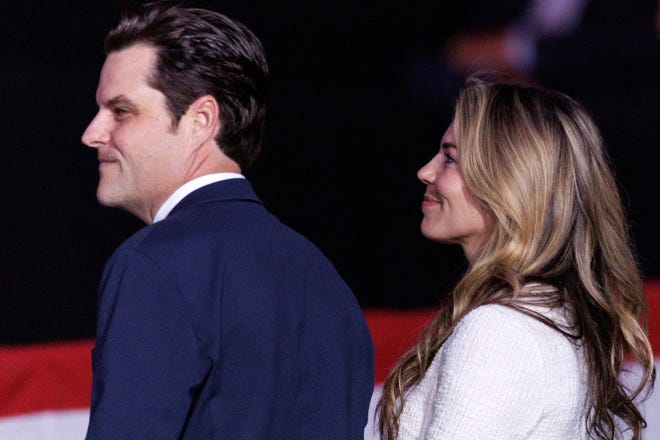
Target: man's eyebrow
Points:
(120, 100)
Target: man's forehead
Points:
(125, 72)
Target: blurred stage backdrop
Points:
(361, 95)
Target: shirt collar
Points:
(189, 187)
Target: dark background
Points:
(361, 96)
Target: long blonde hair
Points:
(535, 160)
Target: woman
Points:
(530, 342)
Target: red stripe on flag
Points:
(45, 377)
(652, 289)
(58, 376)
(394, 332)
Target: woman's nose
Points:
(426, 173)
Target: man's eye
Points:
(120, 112)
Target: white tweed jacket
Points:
(501, 375)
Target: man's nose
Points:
(96, 134)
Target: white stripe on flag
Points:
(47, 425)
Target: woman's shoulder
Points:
(499, 318)
(500, 330)
(498, 374)
(499, 334)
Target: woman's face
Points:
(451, 214)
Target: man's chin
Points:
(107, 198)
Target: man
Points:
(215, 320)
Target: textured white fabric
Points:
(501, 375)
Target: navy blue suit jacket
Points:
(220, 322)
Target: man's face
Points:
(142, 157)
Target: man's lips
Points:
(106, 154)
(105, 162)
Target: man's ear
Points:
(205, 114)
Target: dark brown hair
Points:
(202, 52)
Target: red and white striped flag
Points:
(45, 388)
